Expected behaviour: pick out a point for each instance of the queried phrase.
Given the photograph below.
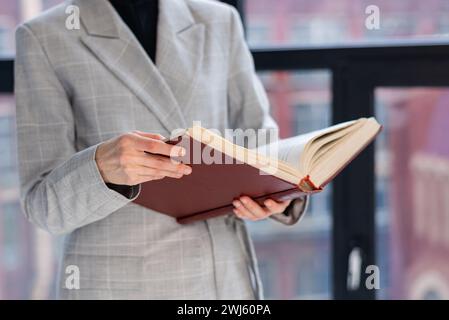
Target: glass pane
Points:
(412, 183)
(27, 263)
(305, 22)
(13, 12)
(295, 261)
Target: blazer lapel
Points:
(116, 46)
(180, 49)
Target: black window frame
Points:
(357, 70)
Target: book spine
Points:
(307, 185)
(278, 196)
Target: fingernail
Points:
(187, 170)
(236, 203)
(268, 203)
(180, 151)
(244, 200)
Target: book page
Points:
(289, 150)
(336, 158)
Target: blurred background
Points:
(407, 222)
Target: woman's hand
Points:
(247, 208)
(122, 160)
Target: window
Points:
(25, 253)
(3, 39)
(326, 22)
(413, 176)
(300, 102)
(8, 167)
(14, 12)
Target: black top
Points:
(141, 17)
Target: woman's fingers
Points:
(129, 157)
(276, 207)
(249, 209)
(156, 146)
(145, 171)
(242, 212)
(149, 135)
(254, 207)
(246, 208)
(162, 163)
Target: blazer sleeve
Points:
(248, 102)
(61, 187)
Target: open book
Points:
(282, 170)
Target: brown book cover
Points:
(210, 189)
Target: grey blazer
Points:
(77, 88)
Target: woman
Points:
(91, 101)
